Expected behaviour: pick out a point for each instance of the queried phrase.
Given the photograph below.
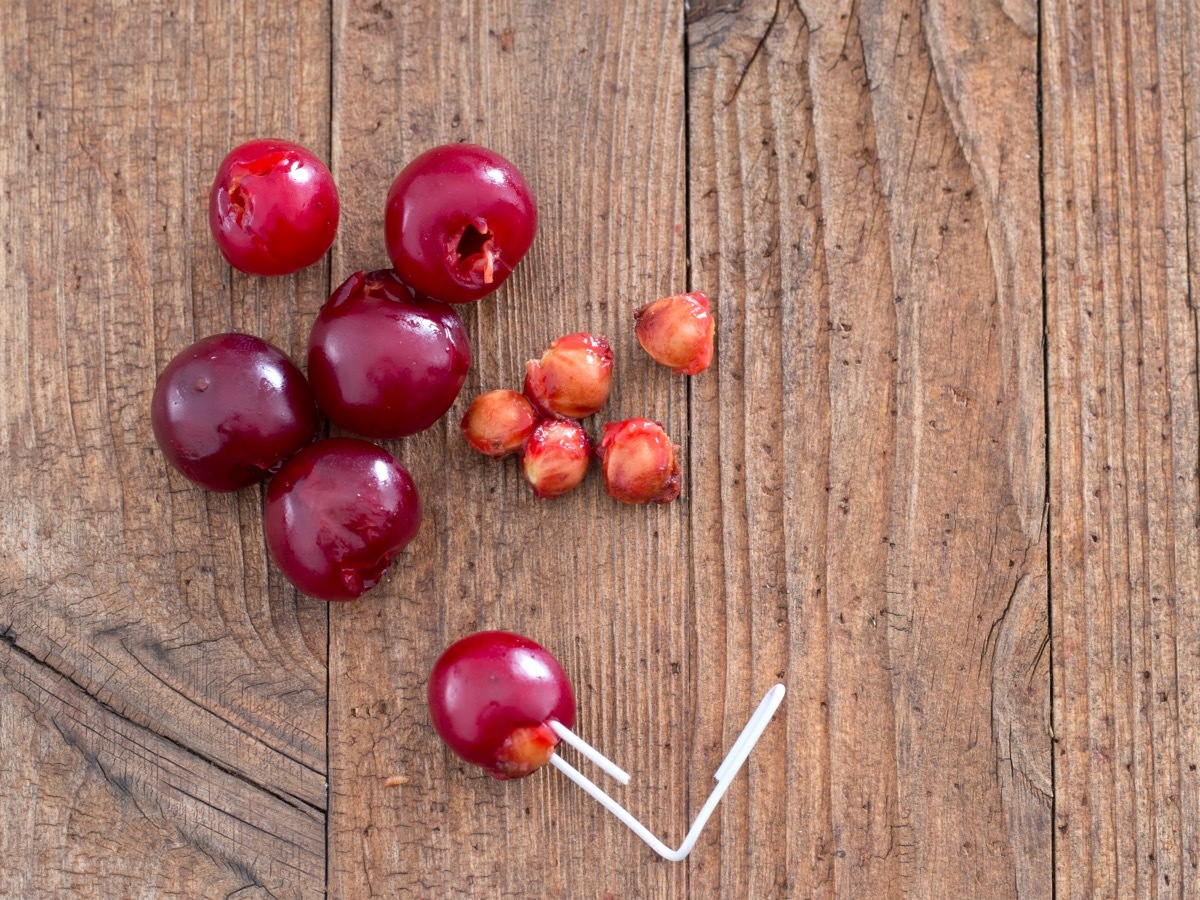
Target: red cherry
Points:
(230, 408)
(383, 361)
(336, 515)
(273, 208)
(458, 220)
(491, 697)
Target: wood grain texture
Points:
(141, 623)
(1121, 93)
(877, 534)
(588, 101)
(990, 633)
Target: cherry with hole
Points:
(273, 208)
(458, 220)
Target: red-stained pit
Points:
(573, 378)
(556, 457)
(498, 423)
(639, 462)
(678, 332)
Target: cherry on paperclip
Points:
(501, 701)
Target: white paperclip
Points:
(568, 736)
(725, 774)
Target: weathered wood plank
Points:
(760, 447)
(587, 99)
(145, 816)
(864, 515)
(1121, 92)
(151, 596)
(868, 509)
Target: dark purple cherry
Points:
(336, 515)
(230, 408)
(384, 362)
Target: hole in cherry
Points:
(359, 580)
(476, 252)
(237, 201)
(472, 243)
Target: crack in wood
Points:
(10, 639)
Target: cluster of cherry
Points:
(387, 355)
(386, 358)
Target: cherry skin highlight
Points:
(491, 697)
(229, 409)
(458, 220)
(498, 423)
(556, 456)
(384, 362)
(273, 208)
(337, 514)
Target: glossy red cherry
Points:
(491, 697)
(336, 515)
(458, 220)
(273, 208)
(384, 362)
(230, 408)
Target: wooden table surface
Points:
(942, 479)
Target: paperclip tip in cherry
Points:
(491, 698)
